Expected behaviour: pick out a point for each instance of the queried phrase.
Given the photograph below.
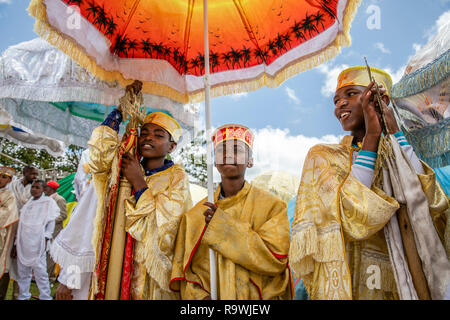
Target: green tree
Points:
(193, 157)
(41, 159)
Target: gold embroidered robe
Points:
(250, 235)
(338, 245)
(152, 221)
(9, 215)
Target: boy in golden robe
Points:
(339, 245)
(9, 215)
(134, 257)
(247, 227)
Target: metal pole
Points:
(209, 168)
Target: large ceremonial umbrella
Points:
(165, 44)
(421, 98)
(46, 92)
(252, 43)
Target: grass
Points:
(33, 289)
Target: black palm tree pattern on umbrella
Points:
(261, 55)
(236, 57)
(319, 18)
(214, 60)
(268, 50)
(226, 57)
(132, 46)
(92, 9)
(296, 29)
(158, 48)
(120, 47)
(111, 27)
(176, 55)
(101, 19)
(246, 55)
(146, 47)
(286, 39)
(195, 63)
(272, 46)
(308, 25)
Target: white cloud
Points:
(277, 149)
(417, 47)
(396, 75)
(5, 1)
(292, 96)
(443, 20)
(331, 73)
(380, 46)
(238, 96)
(439, 24)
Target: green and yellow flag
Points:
(65, 190)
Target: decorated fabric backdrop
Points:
(252, 43)
(422, 97)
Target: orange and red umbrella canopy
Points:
(251, 42)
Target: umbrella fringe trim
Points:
(42, 27)
(45, 94)
(424, 78)
(63, 257)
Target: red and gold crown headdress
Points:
(233, 132)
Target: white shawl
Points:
(72, 246)
(34, 218)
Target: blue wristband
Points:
(366, 159)
(113, 120)
(401, 138)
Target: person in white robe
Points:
(21, 190)
(21, 187)
(36, 225)
(8, 219)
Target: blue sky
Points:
(300, 111)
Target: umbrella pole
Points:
(209, 168)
